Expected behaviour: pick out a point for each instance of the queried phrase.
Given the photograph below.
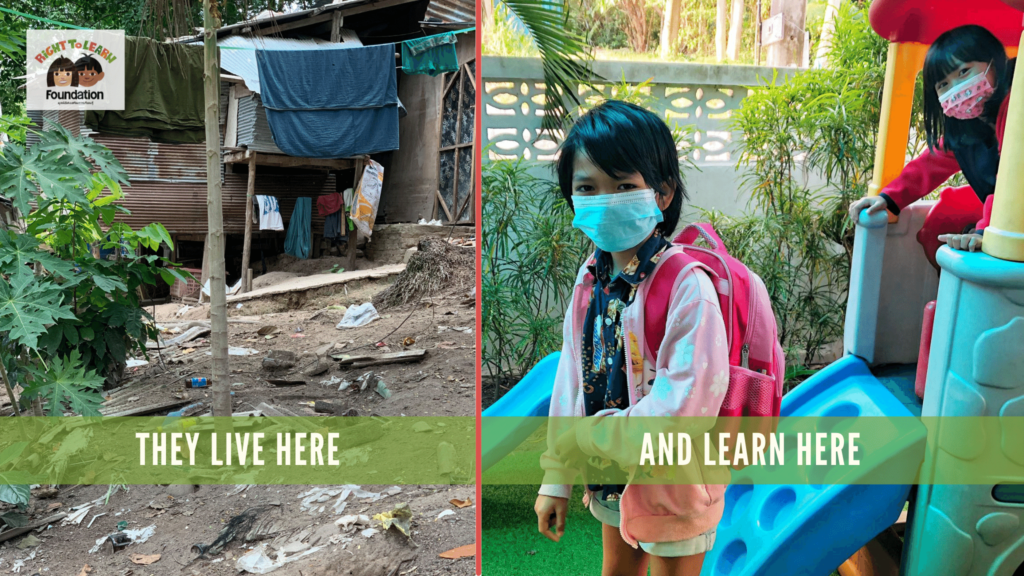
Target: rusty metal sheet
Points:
(452, 10)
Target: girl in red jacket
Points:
(966, 92)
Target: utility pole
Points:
(219, 384)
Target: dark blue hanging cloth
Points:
(331, 103)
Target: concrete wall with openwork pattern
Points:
(698, 95)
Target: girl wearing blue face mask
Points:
(966, 95)
(619, 170)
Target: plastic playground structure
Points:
(974, 364)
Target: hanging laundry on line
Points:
(267, 213)
(432, 55)
(331, 103)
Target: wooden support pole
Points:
(247, 243)
(219, 384)
(353, 235)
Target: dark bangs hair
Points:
(88, 63)
(951, 50)
(621, 139)
(62, 64)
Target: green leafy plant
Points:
(798, 238)
(71, 320)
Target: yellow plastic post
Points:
(904, 61)
(1004, 236)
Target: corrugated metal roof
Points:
(451, 11)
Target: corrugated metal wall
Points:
(253, 128)
(168, 181)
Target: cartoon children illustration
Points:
(89, 71)
(62, 73)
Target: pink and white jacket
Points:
(690, 378)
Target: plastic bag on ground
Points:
(357, 316)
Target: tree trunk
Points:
(721, 21)
(637, 32)
(487, 15)
(828, 28)
(732, 51)
(670, 28)
(219, 385)
(790, 51)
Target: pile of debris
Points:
(438, 267)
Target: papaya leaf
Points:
(28, 305)
(66, 381)
(17, 494)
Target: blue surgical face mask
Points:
(617, 222)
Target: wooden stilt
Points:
(353, 236)
(247, 243)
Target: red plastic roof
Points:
(924, 20)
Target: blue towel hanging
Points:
(296, 242)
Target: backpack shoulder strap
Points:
(659, 294)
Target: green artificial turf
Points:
(512, 545)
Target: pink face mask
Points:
(965, 100)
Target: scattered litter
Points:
(144, 559)
(444, 514)
(135, 363)
(331, 381)
(19, 564)
(346, 522)
(123, 538)
(408, 341)
(240, 488)
(197, 383)
(85, 570)
(244, 524)
(394, 490)
(383, 390)
(360, 315)
(400, 517)
(463, 329)
(235, 351)
(461, 503)
(369, 532)
(76, 517)
(181, 311)
(94, 518)
(467, 551)
(234, 289)
(345, 384)
(425, 222)
(280, 359)
(447, 345)
(316, 496)
(298, 335)
(238, 306)
(285, 382)
(27, 542)
(422, 427)
(256, 561)
(268, 330)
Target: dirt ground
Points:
(185, 515)
(441, 384)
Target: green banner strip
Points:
(254, 450)
(816, 451)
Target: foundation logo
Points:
(75, 69)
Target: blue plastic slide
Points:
(530, 397)
(782, 530)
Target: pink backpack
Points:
(756, 360)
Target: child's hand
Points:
(551, 512)
(872, 204)
(968, 242)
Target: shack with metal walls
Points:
(430, 176)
